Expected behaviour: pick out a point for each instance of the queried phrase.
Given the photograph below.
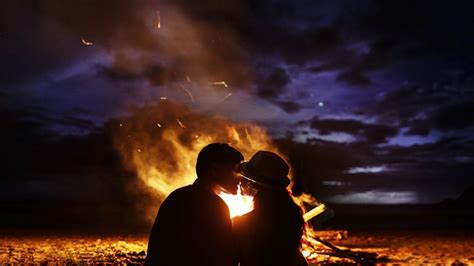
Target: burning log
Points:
(314, 212)
(364, 258)
(313, 246)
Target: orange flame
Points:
(169, 145)
(238, 204)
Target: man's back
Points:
(193, 227)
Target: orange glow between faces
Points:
(238, 204)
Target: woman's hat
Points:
(266, 169)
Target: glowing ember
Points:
(217, 83)
(225, 97)
(86, 42)
(306, 253)
(188, 92)
(238, 204)
(158, 23)
(180, 123)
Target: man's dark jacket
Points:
(193, 227)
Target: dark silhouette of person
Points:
(271, 233)
(193, 225)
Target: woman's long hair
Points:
(277, 209)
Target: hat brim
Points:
(251, 174)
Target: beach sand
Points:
(393, 247)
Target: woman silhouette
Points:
(271, 233)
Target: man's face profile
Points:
(227, 177)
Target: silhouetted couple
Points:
(193, 225)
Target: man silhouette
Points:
(193, 225)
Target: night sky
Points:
(373, 101)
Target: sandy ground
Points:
(394, 248)
(412, 248)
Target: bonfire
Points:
(152, 142)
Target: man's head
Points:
(216, 164)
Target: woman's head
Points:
(266, 170)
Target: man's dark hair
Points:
(219, 153)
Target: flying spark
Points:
(86, 42)
(180, 123)
(219, 83)
(162, 98)
(188, 79)
(225, 97)
(321, 104)
(158, 23)
(188, 92)
(158, 124)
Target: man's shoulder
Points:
(192, 194)
(198, 197)
(182, 191)
(179, 194)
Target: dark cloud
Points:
(67, 120)
(80, 111)
(407, 101)
(289, 107)
(127, 31)
(155, 73)
(354, 78)
(374, 133)
(31, 123)
(32, 45)
(273, 84)
(334, 65)
(419, 168)
(453, 116)
(314, 162)
(419, 127)
(122, 22)
(361, 38)
(423, 108)
(378, 54)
